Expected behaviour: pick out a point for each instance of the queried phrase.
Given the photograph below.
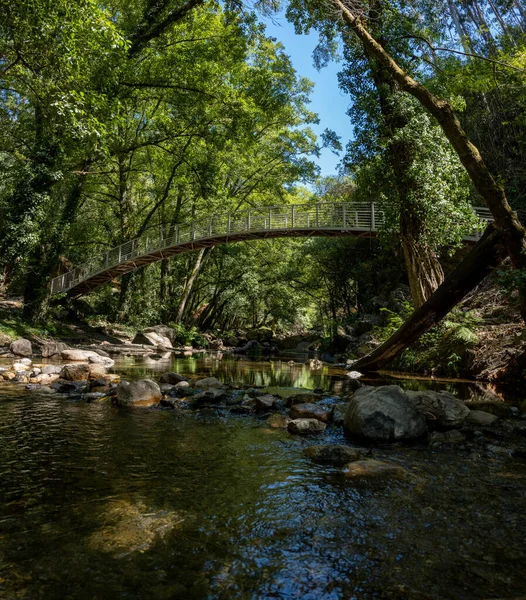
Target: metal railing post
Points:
(373, 220)
(317, 215)
(211, 228)
(248, 220)
(344, 217)
(292, 216)
(228, 224)
(193, 231)
(269, 218)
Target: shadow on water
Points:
(97, 502)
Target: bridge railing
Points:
(331, 216)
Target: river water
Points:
(98, 502)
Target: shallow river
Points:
(98, 502)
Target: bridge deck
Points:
(305, 220)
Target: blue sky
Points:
(327, 99)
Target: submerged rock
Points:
(306, 426)
(374, 468)
(144, 392)
(278, 421)
(303, 398)
(310, 411)
(383, 413)
(440, 409)
(208, 382)
(333, 454)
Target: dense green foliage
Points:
(117, 118)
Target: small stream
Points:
(98, 502)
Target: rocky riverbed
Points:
(229, 479)
(369, 416)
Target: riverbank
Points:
(482, 339)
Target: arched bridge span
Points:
(295, 220)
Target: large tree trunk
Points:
(485, 255)
(423, 268)
(493, 194)
(424, 271)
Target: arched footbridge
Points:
(295, 220)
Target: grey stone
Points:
(310, 411)
(173, 378)
(266, 402)
(440, 409)
(306, 426)
(51, 370)
(338, 413)
(208, 382)
(481, 418)
(105, 361)
(277, 421)
(21, 347)
(333, 454)
(77, 355)
(144, 392)
(52, 348)
(383, 413)
(210, 396)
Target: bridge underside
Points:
(105, 276)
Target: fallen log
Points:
(485, 255)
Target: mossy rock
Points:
(262, 334)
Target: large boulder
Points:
(143, 392)
(52, 348)
(440, 409)
(333, 454)
(75, 372)
(21, 347)
(383, 413)
(310, 411)
(150, 337)
(77, 355)
(162, 330)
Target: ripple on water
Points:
(102, 503)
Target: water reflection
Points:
(97, 502)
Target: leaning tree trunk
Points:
(490, 190)
(485, 255)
